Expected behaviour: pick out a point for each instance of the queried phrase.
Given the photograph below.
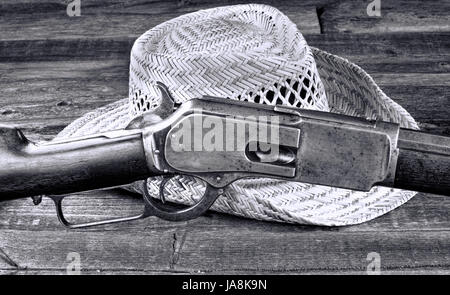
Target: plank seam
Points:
(319, 12)
(8, 259)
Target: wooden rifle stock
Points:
(27, 169)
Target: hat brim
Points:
(349, 90)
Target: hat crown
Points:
(214, 37)
(244, 52)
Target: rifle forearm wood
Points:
(423, 163)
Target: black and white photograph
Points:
(224, 138)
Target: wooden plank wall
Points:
(54, 68)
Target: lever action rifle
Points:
(311, 146)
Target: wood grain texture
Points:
(63, 67)
(423, 162)
(405, 238)
(334, 16)
(396, 16)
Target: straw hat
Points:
(253, 53)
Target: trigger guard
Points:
(166, 212)
(57, 199)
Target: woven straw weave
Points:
(250, 53)
(253, 53)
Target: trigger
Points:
(161, 188)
